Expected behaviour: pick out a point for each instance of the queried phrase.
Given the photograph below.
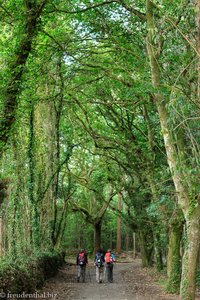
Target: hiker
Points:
(81, 261)
(109, 259)
(99, 262)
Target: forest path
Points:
(131, 282)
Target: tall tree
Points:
(182, 181)
(118, 247)
(27, 30)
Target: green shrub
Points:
(28, 274)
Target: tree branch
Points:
(140, 15)
(79, 10)
(88, 216)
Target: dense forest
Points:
(100, 133)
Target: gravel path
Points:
(131, 282)
(111, 291)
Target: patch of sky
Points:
(69, 60)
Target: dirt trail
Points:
(131, 282)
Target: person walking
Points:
(81, 261)
(99, 262)
(109, 260)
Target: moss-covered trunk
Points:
(34, 214)
(188, 282)
(1, 237)
(31, 13)
(174, 257)
(158, 251)
(151, 180)
(146, 249)
(183, 186)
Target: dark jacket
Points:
(78, 258)
(100, 255)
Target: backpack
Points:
(99, 259)
(82, 259)
(108, 258)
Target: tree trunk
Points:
(61, 225)
(32, 14)
(174, 257)
(190, 258)
(1, 237)
(127, 242)
(134, 246)
(198, 44)
(46, 167)
(97, 236)
(58, 111)
(146, 250)
(31, 171)
(188, 204)
(118, 248)
(151, 179)
(158, 250)
(34, 215)
(155, 226)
